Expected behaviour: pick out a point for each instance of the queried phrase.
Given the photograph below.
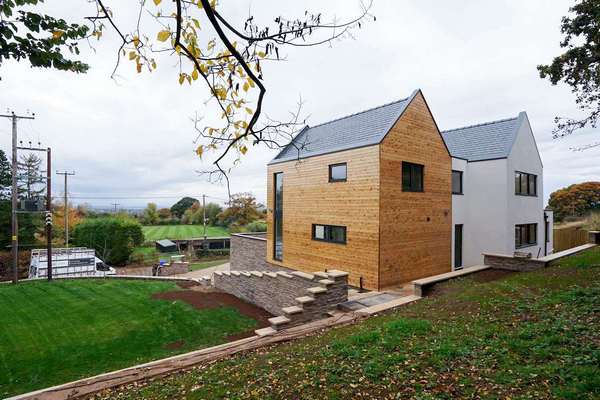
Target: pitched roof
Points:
(487, 141)
(357, 130)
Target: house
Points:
(497, 191)
(386, 196)
(369, 193)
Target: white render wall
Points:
(489, 209)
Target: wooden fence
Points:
(567, 238)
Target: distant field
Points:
(182, 232)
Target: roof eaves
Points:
(338, 149)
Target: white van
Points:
(71, 262)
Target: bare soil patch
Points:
(491, 274)
(175, 345)
(205, 298)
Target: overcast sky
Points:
(131, 141)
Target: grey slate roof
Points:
(357, 130)
(487, 141)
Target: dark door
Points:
(458, 246)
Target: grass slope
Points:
(181, 232)
(530, 335)
(59, 332)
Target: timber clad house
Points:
(387, 197)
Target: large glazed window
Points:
(278, 217)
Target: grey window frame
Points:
(327, 233)
(331, 166)
(524, 230)
(461, 174)
(411, 186)
(519, 175)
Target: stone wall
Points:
(499, 261)
(310, 295)
(174, 269)
(248, 253)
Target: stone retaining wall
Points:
(174, 269)
(499, 261)
(248, 252)
(276, 291)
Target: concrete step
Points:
(292, 310)
(268, 331)
(279, 321)
(387, 306)
(326, 282)
(305, 300)
(316, 290)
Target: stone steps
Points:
(322, 292)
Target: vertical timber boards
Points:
(415, 227)
(309, 198)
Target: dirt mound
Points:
(207, 299)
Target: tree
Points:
(164, 214)
(75, 215)
(212, 212)
(150, 214)
(579, 66)
(575, 200)
(113, 238)
(209, 48)
(242, 210)
(179, 208)
(39, 38)
(30, 176)
(5, 209)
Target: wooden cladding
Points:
(391, 236)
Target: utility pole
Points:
(49, 212)
(115, 205)
(66, 174)
(15, 194)
(204, 214)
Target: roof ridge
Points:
(360, 112)
(481, 124)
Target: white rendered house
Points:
(497, 185)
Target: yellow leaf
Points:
(163, 35)
(262, 54)
(131, 55)
(195, 74)
(246, 86)
(139, 68)
(136, 41)
(200, 150)
(57, 34)
(249, 110)
(157, 2)
(181, 78)
(251, 82)
(243, 149)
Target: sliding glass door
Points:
(278, 217)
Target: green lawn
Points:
(524, 336)
(59, 332)
(152, 233)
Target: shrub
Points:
(256, 226)
(113, 238)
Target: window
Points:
(525, 235)
(329, 233)
(278, 217)
(457, 182)
(525, 184)
(412, 177)
(337, 172)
